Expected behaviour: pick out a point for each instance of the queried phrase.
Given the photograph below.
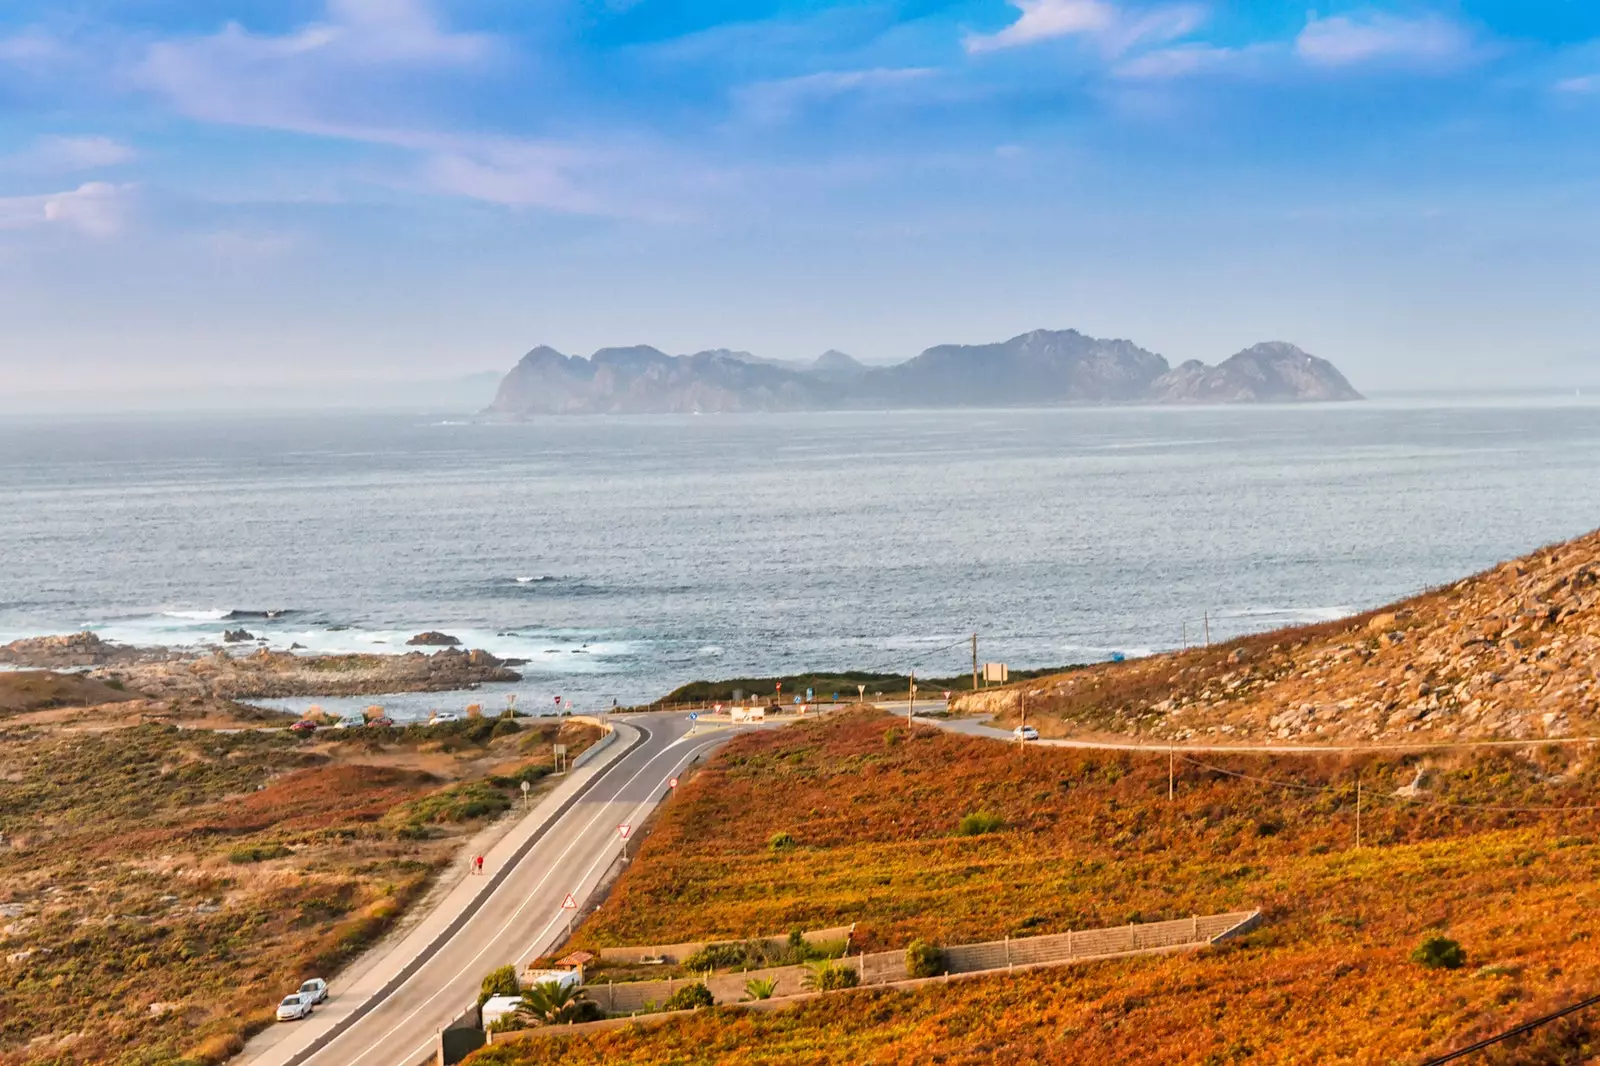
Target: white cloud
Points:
(57, 154)
(1186, 60)
(1588, 83)
(775, 100)
(1373, 36)
(96, 208)
(1115, 30)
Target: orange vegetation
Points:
(1090, 838)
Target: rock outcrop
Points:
(1273, 372)
(1507, 654)
(1044, 367)
(434, 639)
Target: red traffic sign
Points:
(558, 699)
(569, 904)
(624, 830)
(672, 782)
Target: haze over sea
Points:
(624, 556)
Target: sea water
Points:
(624, 556)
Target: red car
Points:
(382, 721)
(304, 725)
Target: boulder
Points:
(433, 639)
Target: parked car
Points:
(294, 1008)
(444, 716)
(381, 720)
(315, 990)
(353, 721)
(304, 725)
(1025, 732)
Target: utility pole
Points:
(974, 662)
(1186, 635)
(1171, 758)
(1208, 628)
(911, 706)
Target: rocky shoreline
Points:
(262, 674)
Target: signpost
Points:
(569, 905)
(694, 716)
(861, 693)
(623, 830)
(995, 673)
(672, 782)
(526, 788)
(559, 752)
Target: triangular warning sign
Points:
(624, 830)
(569, 904)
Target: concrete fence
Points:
(888, 967)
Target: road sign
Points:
(797, 701)
(694, 716)
(672, 783)
(525, 787)
(946, 693)
(558, 701)
(808, 695)
(623, 830)
(569, 904)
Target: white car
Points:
(352, 722)
(314, 990)
(1025, 732)
(293, 1008)
(444, 716)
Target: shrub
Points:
(832, 976)
(552, 1003)
(980, 822)
(504, 727)
(761, 987)
(780, 841)
(924, 959)
(1440, 953)
(501, 981)
(248, 853)
(690, 996)
(721, 956)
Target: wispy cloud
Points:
(1587, 83)
(1185, 60)
(96, 208)
(1377, 36)
(59, 154)
(779, 99)
(1114, 29)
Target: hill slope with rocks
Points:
(1044, 367)
(1506, 654)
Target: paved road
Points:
(381, 1016)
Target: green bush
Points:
(689, 997)
(980, 822)
(832, 976)
(248, 853)
(924, 959)
(761, 987)
(780, 841)
(722, 956)
(504, 727)
(501, 981)
(1440, 953)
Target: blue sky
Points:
(300, 190)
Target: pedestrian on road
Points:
(478, 864)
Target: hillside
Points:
(1506, 654)
(1037, 368)
(1090, 838)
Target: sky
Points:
(284, 193)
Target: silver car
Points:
(294, 1008)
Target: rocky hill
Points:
(1507, 654)
(1039, 368)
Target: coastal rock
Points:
(434, 639)
(76, 651)
(236, 636)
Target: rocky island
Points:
(1042, 368)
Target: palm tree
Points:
(761, 987)
(553, 1003)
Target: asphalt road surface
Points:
(389, 1014)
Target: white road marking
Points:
(503, 929)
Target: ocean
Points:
(625, 556)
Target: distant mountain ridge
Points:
(1044, 367)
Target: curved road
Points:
(389, 1012)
